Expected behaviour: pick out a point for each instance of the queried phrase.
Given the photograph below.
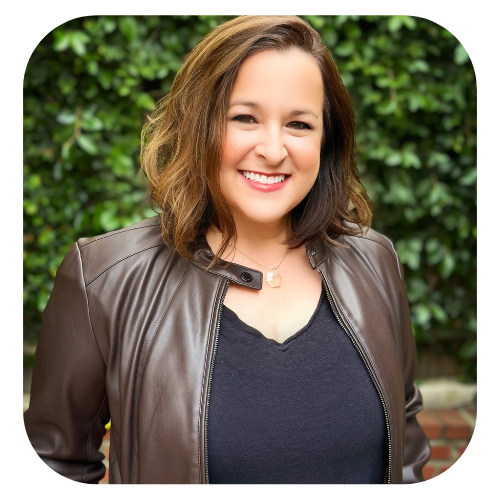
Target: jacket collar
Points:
(246, 276)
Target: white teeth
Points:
(263, 179)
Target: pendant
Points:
(273, 278)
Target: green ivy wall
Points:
(91, 82)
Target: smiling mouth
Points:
(264, 179)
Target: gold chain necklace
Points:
(273, 278)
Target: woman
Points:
(259, 293)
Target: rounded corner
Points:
(39, 33)
(462, 36)
(40, 466)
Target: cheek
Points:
(228, 153)
(307, 157)
(235, 147)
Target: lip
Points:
(265, 188)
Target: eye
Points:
(299, 126)
(244, 119)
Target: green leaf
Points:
(66, 117)
(386, 107)
(78, 47)
(469, 177)
(411, 159)
(345, 48)
(77, 41)
(41, 300)
(317, 22)
(447, 266)
(394, 23)
(108, 220)
(438, 158)
(348, 79)
(417, 289)
(460, 55)
(438, 313)
(393, 159)
(415, 244)
(422, 314)
(145, 101)
(409, 22)
(123, 91)
(340, 20)
(62, 43)
(414, 102)
(34, 182)
(81, 35)
(92, 68)
(29, 207)
(87, 144)
(418, 65)
(382, 81)
(122, 165)
(46, 236)
(432, 245)
(92, 124)
(105, 78)
(162, 72)
(128, 27)
(109, 25)
(409, 252)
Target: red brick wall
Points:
(449, 432)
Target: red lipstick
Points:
(265, 188)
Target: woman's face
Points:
(274, 129)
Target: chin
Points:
(264, 216)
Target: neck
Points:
(258, 240)
(257, 234)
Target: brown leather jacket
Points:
(130, 332)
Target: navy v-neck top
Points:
(301, 411)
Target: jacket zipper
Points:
(367, 365)
(212, 361)
(351, 337)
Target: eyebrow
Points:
(295, 112)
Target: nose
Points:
(271, 146)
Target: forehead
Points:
(292, 77)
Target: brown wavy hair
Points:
(183, 139)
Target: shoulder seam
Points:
(122, 259)
(393, 254)
(114, 233)
(87, 301)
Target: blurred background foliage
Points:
(91, 82)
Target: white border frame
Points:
(483, 244)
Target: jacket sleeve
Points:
(68, 405)
(417, 449)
